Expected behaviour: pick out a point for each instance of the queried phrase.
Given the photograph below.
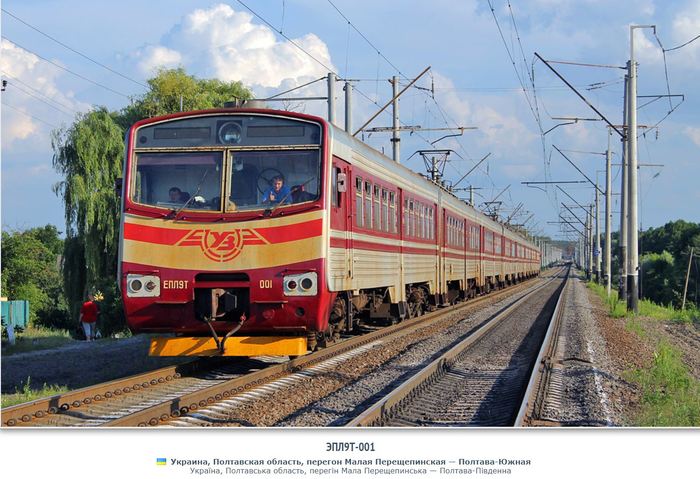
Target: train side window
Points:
(385, 210)
(455, 228)
(426, 228)
(377, 209)
(358, 200)
(392, 213)
(406, 225)
(449, 230)
(420, 216)
(427, 222)
(450, 239)
(368, 204)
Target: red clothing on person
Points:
(89, 312)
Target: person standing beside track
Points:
(88, 317)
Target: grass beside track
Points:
(670, 395)
(35, 339)
(28, 394)
(618, 308)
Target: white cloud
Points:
(498, 127)
(32, 95)
(225, 43)
(153, 57)
(693, 133)
(686, 25)
(645, 49)
(17, 125)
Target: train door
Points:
(482, 260)
(442, 267)
(401, 219)
(343, 195)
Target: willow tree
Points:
(89, 155)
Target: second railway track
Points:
(479, 382)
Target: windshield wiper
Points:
(270, 211)
(174, 214)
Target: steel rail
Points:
(374, 414)
(174, 408)
(537, 385)
(39, 408)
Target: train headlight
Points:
(304, 284)
(230, 133)
(142, 285)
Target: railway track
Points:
(199, 393)
(482, 380)
(111, 401)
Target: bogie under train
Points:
(250, 231)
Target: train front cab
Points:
(224, 272)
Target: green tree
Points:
(665, 261)
(30, 271)
(658, 277)
(89, 155)
(170, 86)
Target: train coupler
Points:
(220, 343)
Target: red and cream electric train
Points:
(260, 232)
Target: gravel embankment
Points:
(587, 387)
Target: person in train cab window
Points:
(88, 317)
(277, 192)
(177, 195)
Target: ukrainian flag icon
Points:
(161, 461)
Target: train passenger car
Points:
(254, 231)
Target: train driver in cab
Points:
(177, 195)
(277, 192)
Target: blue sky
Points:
(474, 81)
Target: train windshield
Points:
(248, 180)
(269, 179)
(179, 180)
